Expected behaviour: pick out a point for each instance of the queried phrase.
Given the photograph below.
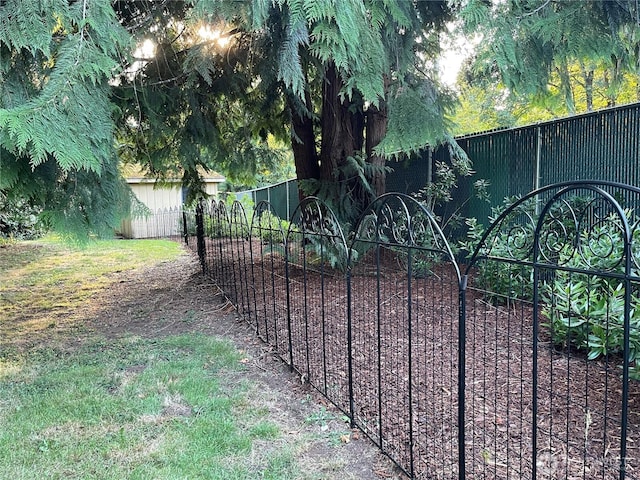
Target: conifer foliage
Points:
(544, 49)
(358, 82)
(56, 129)
(348, 84)
(340, 81)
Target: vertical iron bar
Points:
(305, 310)
(200, 236)
(253, 277)
(410, 361)
(247, 285)
(537, 173)
(273, 289)
(379, 345)
(625, 365)
(323, 317)
(286, 274)
(185, 232)
(534, 369)
(462, 338)
(350, 349)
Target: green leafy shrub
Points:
(272, 228)
(437, 195)
(349, 191)
(329, 252)
(586, 312)
(214, 227)
(503, 279)
(422, 261)
(19, 220)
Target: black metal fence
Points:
(520, 363)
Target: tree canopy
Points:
(541, 59)
(56, 128)
(184, 85)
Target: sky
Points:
(456, 49)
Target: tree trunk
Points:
(376, 130)
(611, 101)
(303, 142)
(587, 75)
(565, 87)
(338, 139)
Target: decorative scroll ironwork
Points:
(316, 234)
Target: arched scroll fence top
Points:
(314, 217)
(317, 227)
(267, 226)
(223, 220)
(239, 222)
(583, 225)
(398, 220)
(566, 258)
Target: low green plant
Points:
(328, 252)
(437, 195)
(214, 227)
(586, 311)
(349, 191)
(423, 261)
(499, 277)
(272, 228)
(219, 226)
(20, 220)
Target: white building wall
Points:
(165, 204)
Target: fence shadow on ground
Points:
(520, 363)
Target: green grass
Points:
(89, 407)
(133, 408)
(42, 280)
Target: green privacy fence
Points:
(602, 145)
(282, 196)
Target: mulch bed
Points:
(405, 344)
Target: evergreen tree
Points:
(558, 56)
(347, 83)
(56, 129)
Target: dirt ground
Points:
(174, 298)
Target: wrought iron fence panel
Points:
(200, 241)
(524, 367)
(189, 228)
(212, 232)
(240, 258)
(317, 299)
(550, 332)
(403, 332)
(270, 282)
(218, 240)
(204, 248)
